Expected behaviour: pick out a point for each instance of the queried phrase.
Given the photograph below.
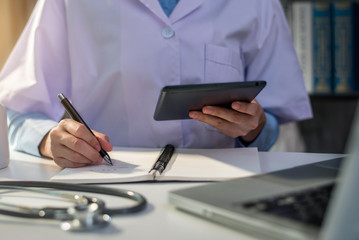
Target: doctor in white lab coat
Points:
(111, 58)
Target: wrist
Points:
(45, 146)
(252, 135)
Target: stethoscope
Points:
(88, 213)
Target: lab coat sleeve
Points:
(267, 137)
(38, 67)
(26, 131)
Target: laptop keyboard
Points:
(306, 206)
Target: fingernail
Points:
(236, 106)
(193, 115)
(207, 110)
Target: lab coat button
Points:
(167, 32)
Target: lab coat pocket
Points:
(222, 65)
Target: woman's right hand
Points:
(70, 144)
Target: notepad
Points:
(134, 164)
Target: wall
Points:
(13, 17)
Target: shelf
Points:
(334, 96)
(328, 130)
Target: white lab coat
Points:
(112, 57)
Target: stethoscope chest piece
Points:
(86, 216)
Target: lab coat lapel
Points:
(155, 7)
(183, 8)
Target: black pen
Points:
(163, 160)
(76, 116)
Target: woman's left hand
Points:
(244, 120)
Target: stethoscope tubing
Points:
(140, 200)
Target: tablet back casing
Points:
(175, 102)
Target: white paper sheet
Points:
(133, 164)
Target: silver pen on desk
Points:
(160, 165)
(76, 116)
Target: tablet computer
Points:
(175, 102)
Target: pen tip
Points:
(108, 160)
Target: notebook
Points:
(135, 164)
(314, 201)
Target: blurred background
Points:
(13, 17)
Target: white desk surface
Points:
(159, 220)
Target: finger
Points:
(246, 108)
(104, 141)
(225, 113)
(228, 128)
(80, 131)
(231, 129)
(79, 150)
(61, 138)
(63, 152)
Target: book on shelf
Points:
(135, 164)
(322, 48)
(345, 46)
(302, 28)
(325, 36)
(311, 30)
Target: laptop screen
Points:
(342, 221)
(4, 144)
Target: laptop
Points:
(4, 144)
(314, 201)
